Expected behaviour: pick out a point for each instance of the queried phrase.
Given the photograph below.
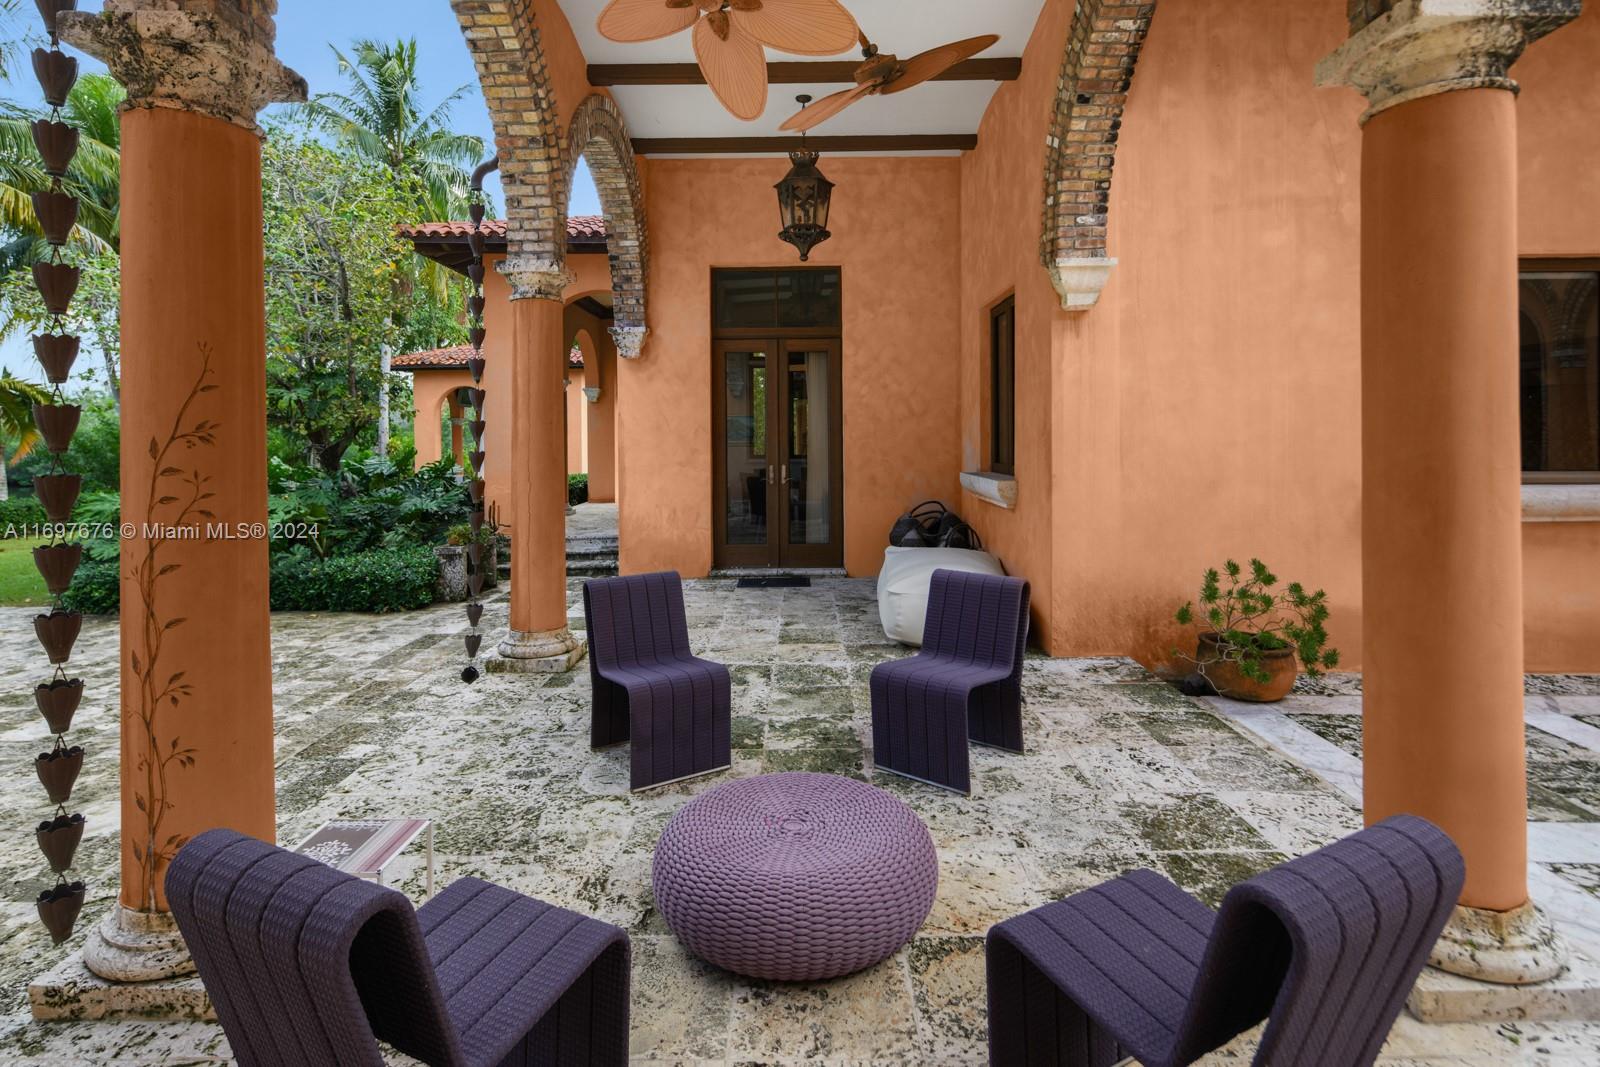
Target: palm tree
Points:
(17, 398)
(94, 177)
(383, 120)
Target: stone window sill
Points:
(1570, 502)
(998, 489)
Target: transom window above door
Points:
(1559, 370)
(775, 299)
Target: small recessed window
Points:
(1559, 370)
(1003, 387)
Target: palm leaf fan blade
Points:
(935, 61)
(735, 68)
(800, 27)
(629, 21)
(809, 117)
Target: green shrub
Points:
(20, 515)
(461, 534)
(96, 588)
(1250, 619)
(380, 580)
(577, 489)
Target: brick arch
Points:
(597, 133)
(504, 40)
(1096, 75)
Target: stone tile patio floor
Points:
(1121, 771)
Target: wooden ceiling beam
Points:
(744, 146)
(791, 73)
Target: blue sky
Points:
(305, 30)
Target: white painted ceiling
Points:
(901, 27)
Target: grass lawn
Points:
(20, 584)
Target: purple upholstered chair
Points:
(649, 689)
(1325, 948)
(310, 966)
(966, 682)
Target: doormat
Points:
(776, 581)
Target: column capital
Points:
(1079, 279)
(629, 340)
(214, 57)
(536, 277)
(1420, 48)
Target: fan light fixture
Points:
(804, 197)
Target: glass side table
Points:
(365, 847)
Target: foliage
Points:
(461, 534)
(577, 489)
(17, 398)
(94, 453)
(381, 118)
(370, 503)
(96, 588)
(95, 312)
(21, 516)
(380, 580)
(1250, 619)
(94, 176)
(337, 293)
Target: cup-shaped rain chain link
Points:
(57, 420)
(477, 557)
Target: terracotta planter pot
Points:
(58, 840)
(56, 72)
(57, 564)
(57, 214)
(57, 423)
(57, 144)
(58, 494)
(58, 702)
(1226, 679)
(56, 352)
(58, 772)
(58, 909)
(57, 632)
(57, 284)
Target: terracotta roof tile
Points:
(455, 358)
(579, 227)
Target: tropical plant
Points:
(94, 176)
(1250, 620)
(17, 398)
(382, 118)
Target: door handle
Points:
(771, 478)
(785, 469)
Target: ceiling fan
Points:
(729, 36)
(888, 74)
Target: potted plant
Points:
(454, 559)
(1250, 635)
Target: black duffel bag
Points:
(920, 527)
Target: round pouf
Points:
(795, 876)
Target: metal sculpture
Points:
(477, 558)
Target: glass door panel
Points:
(747, 453)
(810, 459)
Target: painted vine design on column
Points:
(57, 421)
(170, 486)
(476, 556)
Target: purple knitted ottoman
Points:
(795, 876)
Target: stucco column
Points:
(196, 667)
(1441, 460)
(539, 639)
(457, 430)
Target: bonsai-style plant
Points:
(1250, 634)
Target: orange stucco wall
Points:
(896, 232)
(591, 435)
(1001, 184)
(430, 389)
(577, 424)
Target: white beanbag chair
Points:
(903, 585)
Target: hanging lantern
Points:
(804, 197)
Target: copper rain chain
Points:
(477, 558)
(57, 281)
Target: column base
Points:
(1517, 947)
(137, 946)
(545, 652)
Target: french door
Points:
(779, 453)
